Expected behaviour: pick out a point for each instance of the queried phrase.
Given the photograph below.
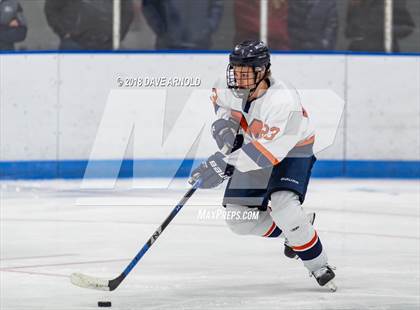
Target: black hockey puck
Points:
(104, 304)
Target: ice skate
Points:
(324, 276)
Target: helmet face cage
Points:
(239, 77)
(248, 60)
(230, 77)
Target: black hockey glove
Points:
(225, 132)
(212, 172)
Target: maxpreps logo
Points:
(181, 136)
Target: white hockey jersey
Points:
(272, 124)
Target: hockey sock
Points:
(302, 237)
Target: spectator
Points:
(247, 21)
(86, 24)
(183, 24)
(313, 24)
(12, 24)
(365, 24)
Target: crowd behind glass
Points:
(293, 25)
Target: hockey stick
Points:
(86, 281)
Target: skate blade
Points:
(331, 286)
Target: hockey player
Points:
(265, 141)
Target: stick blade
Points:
(85, 281)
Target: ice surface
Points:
(51, 229)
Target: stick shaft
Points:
(113, 284)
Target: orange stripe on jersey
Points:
(236, 115)
(270, 230)
(265, 152)
(307, 141)
(307, 245)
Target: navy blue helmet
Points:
(249, 64)
(250, 53)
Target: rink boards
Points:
(52, 106)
